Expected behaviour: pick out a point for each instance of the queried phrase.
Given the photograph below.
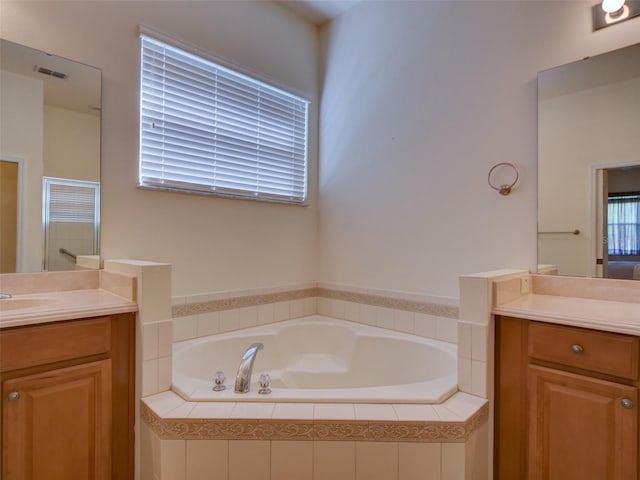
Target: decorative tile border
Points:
(313, 430)
(241, 302)
(447, 311)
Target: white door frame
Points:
(19, 226)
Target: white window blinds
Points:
(74, 201)
(208, 129)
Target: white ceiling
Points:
(318, 11)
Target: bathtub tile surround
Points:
(321, 445)
(154, 338)
(418, 461)
(364, 411)
(155, 334)
(206, 314)
(181, 439)
(235, 299)
(376, 460)
(292, 411)
(291, 460)
(476, 329)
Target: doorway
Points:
(9, 215)
(618, 222)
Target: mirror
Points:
(589, 167)
(49, 160)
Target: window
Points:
(71, 220)
(624, 224)
(207, 129)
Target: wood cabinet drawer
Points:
(604, 352)
(23, 347)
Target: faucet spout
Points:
(243, 378)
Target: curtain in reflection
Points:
(624, 224)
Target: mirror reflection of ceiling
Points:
(612, 67)
(75, 92)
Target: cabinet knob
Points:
(577, 348)
(626, 403)
(13, 396)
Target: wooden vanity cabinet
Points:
(566, 402)
(67, 399)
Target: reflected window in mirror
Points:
(71, 216)
(624, 225)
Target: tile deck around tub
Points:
(453, 421)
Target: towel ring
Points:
(506, 188)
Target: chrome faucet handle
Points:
(264, 381)
(219, 379)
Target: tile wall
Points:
(201, 315)
(338, 442)
(313, 460)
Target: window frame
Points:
(47, 184)
(244, 73)
(631, 198)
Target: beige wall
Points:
(420, 100)
(71, 144)
(21, 139)
(213, 244)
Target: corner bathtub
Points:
(319, 359)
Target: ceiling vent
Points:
(52, 73)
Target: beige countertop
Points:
(35, 308)
(612, 316)
(55, 296)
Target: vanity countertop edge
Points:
(605, 315)
(66, 305)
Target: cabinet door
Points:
(57, 424)
(581, 428)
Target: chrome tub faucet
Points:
(243, 378)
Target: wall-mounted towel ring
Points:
(506, 188)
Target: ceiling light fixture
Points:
(614, 11)
(614, 7)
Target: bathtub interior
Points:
(320, 359)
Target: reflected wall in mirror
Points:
(588, 167)
(49, 160)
